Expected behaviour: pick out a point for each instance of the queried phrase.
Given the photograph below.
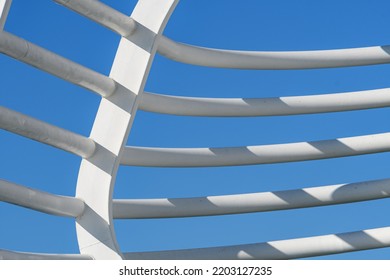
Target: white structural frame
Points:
(122, 94)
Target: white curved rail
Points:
(52, 63)
(251, 202)
(40, 201)
(236, 59)
(12, 255)
(102, 14)
(245, 107)
(46, 133)
(282, 249)
(273, 60)
(202, 157)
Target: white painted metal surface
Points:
(40, 201)
(123, 93)
(12, 255)
(251, 202)
(46, 133)
(273, 60)
(113, 121)
(200, 157)
(278, 106)
(54, 64)
(281, 249)
(4, 10)
(102, 14)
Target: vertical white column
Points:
(4, 9)
(110, 131)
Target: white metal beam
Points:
(196, 55)
(232, 156)
(56, 65)
(282, 249)
(40, 201)
(46, 133)
(102, 14)
(273, 60)
(251, 202)
(12, 255)
(278, 106)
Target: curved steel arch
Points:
(112, 126)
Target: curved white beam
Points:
(273, 60)
(40, 201)
(54, 64)
(12, 255)
(46, 133)
(96, 180)
(282, 249)
(102, 14)
(251, 202)
(301, 151)
(185, 53)
(278, 106)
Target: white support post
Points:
(5, 5)
(110, 131)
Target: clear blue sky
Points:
(246, 25)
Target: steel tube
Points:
(54, 64)
(282, 249)
(251, 202)
(102, 14)
(273, 60)
(40, 201)
(278, 106)
(12, 255)
(46, 133)
(232, 156)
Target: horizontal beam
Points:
(46, 133)
(102, 14)
(233, 156)
(250, 107)
(282, 249)
(56, 65)
(12, 255)
(263, 60)
(123, 25)
(40, 201)
(251, 202)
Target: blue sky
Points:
(246, 25)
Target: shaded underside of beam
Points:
(247, 155)
(251, 202)
(273, 60)
(278, 106)
(282, 249)
(12, 255)
(43, 132)
(40, 201)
